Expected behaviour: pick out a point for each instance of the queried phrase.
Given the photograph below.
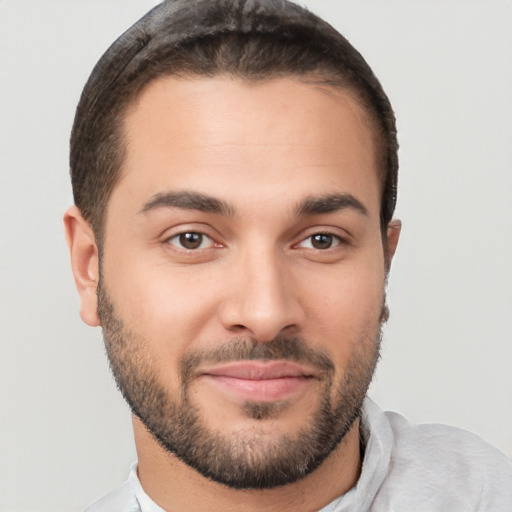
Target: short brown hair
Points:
(249, 39)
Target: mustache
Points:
(287, 348)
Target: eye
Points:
(191, 240)
(321, 241)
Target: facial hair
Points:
(251, 459)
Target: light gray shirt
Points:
(406, 467)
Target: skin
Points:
(262, 149)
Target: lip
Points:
(259, 381)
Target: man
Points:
(234, 168)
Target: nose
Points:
(261, 299)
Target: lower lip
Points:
(264, 390)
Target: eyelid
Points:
(342, 236)
(338, 240)
(202, 229)
(206, 238)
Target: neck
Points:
(175, 486)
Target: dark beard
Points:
(239, 460)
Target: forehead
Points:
(257, 137)
(230, 101)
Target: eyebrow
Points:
(188, 201)
(330, 203)
(313, 205)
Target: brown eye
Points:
(322, 241)
(191, 240)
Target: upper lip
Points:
(258, 370)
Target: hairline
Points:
(316, 79)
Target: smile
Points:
(259, 381)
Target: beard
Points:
(251, 459)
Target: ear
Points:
(393, 232)
(84, 263)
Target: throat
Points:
(173, 485)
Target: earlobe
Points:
(393, 232)
(84, 263)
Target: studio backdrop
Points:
(65, 432)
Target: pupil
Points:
(191, 240)
(322, 241)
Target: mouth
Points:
(259, 381)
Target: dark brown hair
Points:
(248, 39)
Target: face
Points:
(243, 272)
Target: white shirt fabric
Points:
(406, 468)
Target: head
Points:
(234, 171)
(253, 41)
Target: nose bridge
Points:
(261, 299)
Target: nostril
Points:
(238, 327)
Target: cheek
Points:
(347, 326)
(166, 306)
(345, 305)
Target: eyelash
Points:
(200, 238)
(191, 233)
(335, 240)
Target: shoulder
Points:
(121, 499)
(448, 466)
(443, 445)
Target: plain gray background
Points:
(65, 433)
